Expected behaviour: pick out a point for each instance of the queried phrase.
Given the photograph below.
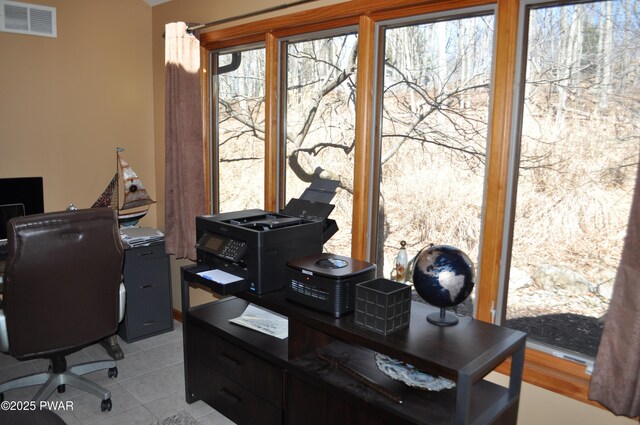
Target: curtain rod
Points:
(191, 29)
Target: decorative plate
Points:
(400, 371)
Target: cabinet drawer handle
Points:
(230, 396)
(228, 360)
(142, 254)
(150, 322)
(148, 285)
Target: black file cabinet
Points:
(147, 280)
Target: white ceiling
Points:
(155, 2)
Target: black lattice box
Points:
(382, 305)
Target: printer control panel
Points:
(227, 248)
(233, 250)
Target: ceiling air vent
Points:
(24, 18)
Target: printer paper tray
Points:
(190, 274)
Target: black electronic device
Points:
(23, 190)
(18, 196)
(253, 246)
(327, 282)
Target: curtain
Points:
(615, 382)
(184, 151)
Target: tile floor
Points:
(148, 389)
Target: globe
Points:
(443, 276)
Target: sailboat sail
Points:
(135, 195)
(109, 197)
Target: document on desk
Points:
(219, 276)
(264, 321)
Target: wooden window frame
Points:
(541, 369)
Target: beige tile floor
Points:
(148, 389)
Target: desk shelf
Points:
(417, 407)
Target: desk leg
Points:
(515, 379)
(184, 287)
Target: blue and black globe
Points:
(443, 276)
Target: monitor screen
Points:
(19, 196)
(7, 212)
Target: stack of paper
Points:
(140, 236)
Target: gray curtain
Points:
(615, 382)
(184, 149)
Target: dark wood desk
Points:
(217, 354)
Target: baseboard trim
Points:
(177, 315)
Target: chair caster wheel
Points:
(105, 406)
(61, 388)
(113, 372)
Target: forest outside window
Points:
(435, 112)
(239, 133)
(579, 143)
(320, 121)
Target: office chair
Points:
(62, 292)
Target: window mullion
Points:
(498, 159)
(364, 138)
(271, 123)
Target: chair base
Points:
(73, 376)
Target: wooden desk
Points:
(217, 354)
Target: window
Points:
(435, 112)
(578, 153)
(320, 121)
(239, 85)
(550, 186)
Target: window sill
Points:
(554, 374)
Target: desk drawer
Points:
(230, 398)
(144, 253)
(146, 317)
(237, 364)
(147, 278)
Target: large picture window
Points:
(578, 155)
(239, 85)
(320, 122)
(435, 115)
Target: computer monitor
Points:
(7, 212)
(19, 196)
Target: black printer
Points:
(248, 250)
(254, 245)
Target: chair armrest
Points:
(123, 299)
(4, 336)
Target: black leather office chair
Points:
(62, 291)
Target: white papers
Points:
(219, 276)
(140, 236)
(264, 321)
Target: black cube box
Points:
(382, 305)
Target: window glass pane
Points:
(578, 158)
(241, 131)
(434, 136)
(320, 124)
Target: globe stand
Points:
(442, 318)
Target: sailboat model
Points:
(136, 199)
